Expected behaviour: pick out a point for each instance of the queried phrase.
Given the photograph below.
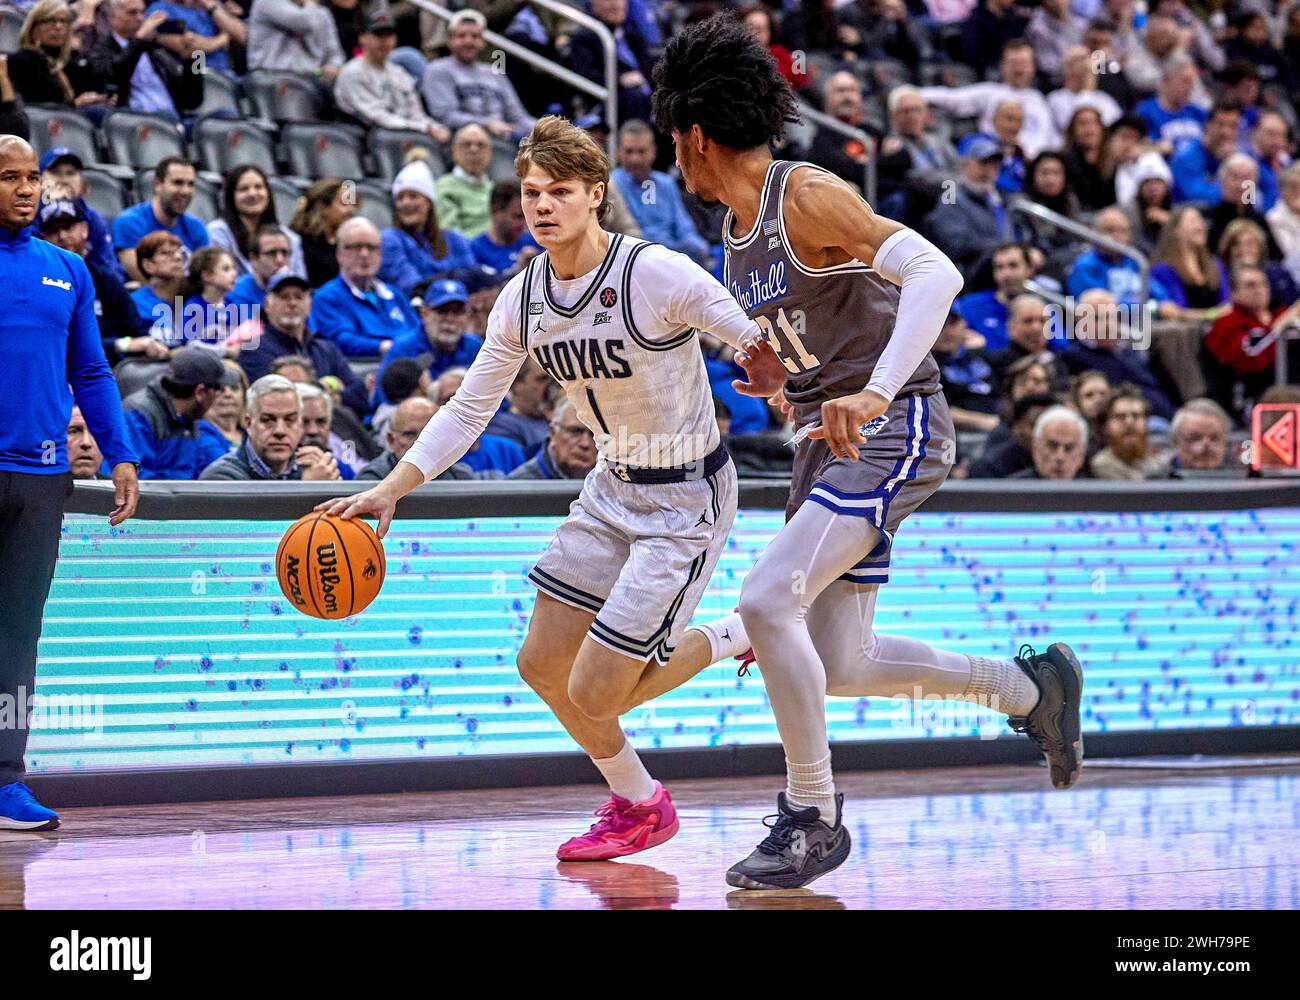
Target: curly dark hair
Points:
(715, 74)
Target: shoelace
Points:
(782, 827)
(18, 790)
(607, 812)
(745, 663)
(1022, 655)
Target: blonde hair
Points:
(43, 11)
(565, 152)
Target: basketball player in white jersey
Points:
(853, 303)
(614, 321)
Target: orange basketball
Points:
(329, 567)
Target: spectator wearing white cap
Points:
(418, 248)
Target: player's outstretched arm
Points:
(832, 217)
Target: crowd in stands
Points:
(1114, 179)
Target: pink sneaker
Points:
(624, 828)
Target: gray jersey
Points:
(828, 324)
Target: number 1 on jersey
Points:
(806, 361)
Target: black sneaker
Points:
(800, 848)
(1053, 724)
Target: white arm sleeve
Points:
(929, 283)
(458, 425)
(682, 294)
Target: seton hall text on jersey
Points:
(583, 358)
(760, 290)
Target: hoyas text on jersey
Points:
(584, 358)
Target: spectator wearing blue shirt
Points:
(53, 356)
(507, 245)
(357, 311)
(418, 248)
(61, 180)
(1196, 164)
(269, 254)
(1099, 344)
(165, 419)
(160, 256)
(212, 24)
(173, 190)
(490, 457)
(969, 383)
(205, 314)
(986, 312)
(443, 307)
(285, 330)
(652, 197)
(1170, 116)
(1098, 268)
(748, 414)
(1008, 120)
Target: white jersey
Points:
(621, 341)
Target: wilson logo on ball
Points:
(327, 562)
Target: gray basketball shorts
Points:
(639, 556)
(900, 465)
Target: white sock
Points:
(1001, 686)
(626, 775)
(811, 785)
(726, 637)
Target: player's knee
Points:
(764, 597)
(539, 671)
(595, 701)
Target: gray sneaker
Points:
(800, 848)
(1053, 724)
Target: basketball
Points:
(329, 567)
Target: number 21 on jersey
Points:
(803, 359)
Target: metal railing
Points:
(822, 120)
(1022, 206)
(608, 94)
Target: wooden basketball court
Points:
(989, 837)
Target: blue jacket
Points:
(1122, 278)
(359, 322)
(1188, 122)
(52, 352)
(325, 358)
(499, 258)
(662, 218)
(494, 453)
(170, 447)
(984, 313)
(247, 292)
(749, 414)
(1194, 171)
(409, 260)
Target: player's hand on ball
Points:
(763, 369)
(842, 418)
(375, 502)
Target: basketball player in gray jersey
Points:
(852, 303)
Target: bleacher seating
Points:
(222, 143)
(321, 150)
(140, 140)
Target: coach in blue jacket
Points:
(49, 340)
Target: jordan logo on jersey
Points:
(583, 358)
